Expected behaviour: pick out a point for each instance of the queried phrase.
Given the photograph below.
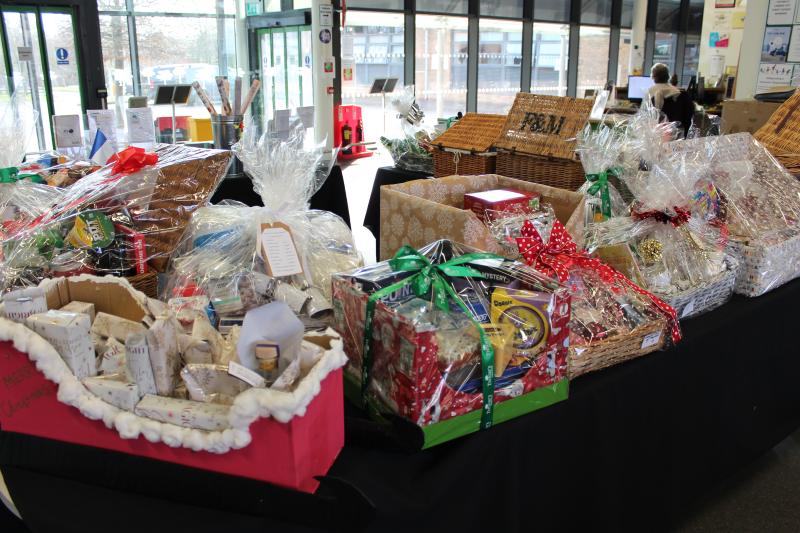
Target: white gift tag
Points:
(651, 339)
(688, 309)
(277, 248)
(245, 374)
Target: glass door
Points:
(42, 66)
(286, 76)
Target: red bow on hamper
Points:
(561, 252)
(130, 160)
(680, 217)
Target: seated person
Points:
(661, 90)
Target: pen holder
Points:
(227, 130)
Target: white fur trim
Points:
(248, 406)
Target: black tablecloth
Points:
(633, 448)
(332, 196)
(385, 176)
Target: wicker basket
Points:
(147, 283)
(781, 134)
(616, 349)
(707, 296)
(465, 148)
(538, 140)
(763, 268)
(560, 173)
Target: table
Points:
(385, 176)
(332, 196)
(633, 448)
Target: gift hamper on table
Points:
(612, 319)
(410, 152)
(418, 212)
(673, 241)
(761, 201)
(537, 142)
(124, 219)
(466, 147)
(91, 361)
(600, 149)
(781, 134)
(452, 339)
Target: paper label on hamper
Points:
(245, 374)
(688, 309)
(276, 246)
(651, 339)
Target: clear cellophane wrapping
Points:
(121, 219)
(676, 230)
(426, 362)
(408, 151)
(221, 258)
(761, 202)
(600, 149)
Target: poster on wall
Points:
(776, 44)
(794, 46)
(781, 12)
(737, 22)
(773, 75)
(718, 39)
(722, 21)
(725, 3)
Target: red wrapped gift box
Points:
(288, 455)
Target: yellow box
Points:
(200, 129)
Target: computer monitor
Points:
(638, 86)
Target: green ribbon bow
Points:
(8, 174)
(429, 279)
(600, 184)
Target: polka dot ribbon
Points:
(557, 256)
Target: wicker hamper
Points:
(537, 142)
(465, 148)
(781, 134)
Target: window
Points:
(668, 15)
(695, 16)
(372, 47)
(623, 57)
(441, 65)
(592, 59)
(116, 57)
(596, 12)
(197, 43)
(501, 8)
(551, 10)
(626, 18)
(550, 59)
(458, 7)
(691, 58)
(379, 4)
(499, 64)
(665, 50)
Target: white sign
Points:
(780, 12)
(67, 129)
(773, 75)
(102, 119)
(688, 309)
(794, 46)
(25, 53)
(326, 15)
(722, 21)
(140, 125)
(277, 248)
(651, 339)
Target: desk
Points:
(332, 196)
(632, 449)
(385, 176)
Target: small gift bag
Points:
(599, 148)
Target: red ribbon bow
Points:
(130, 160)
(680, 217)
(557, 256)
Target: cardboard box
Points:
(419, 212)
(745, 115)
